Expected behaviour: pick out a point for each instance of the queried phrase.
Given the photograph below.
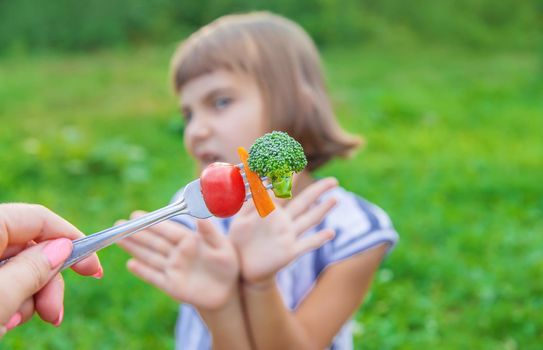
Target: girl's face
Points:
(222, 111)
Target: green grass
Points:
(453, 153)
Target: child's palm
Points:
(267, 245)
(200, 274)
(264, 245)
(199, 268)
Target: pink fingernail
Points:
(99, 274)
(14, 321)
(3, 331)
(60, 317)
(57, 251)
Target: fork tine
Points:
(248, 194)
(241, 167)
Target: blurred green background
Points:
(448, 94)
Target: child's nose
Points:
(199, 128)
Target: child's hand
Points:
(199, 268)
(266, 245)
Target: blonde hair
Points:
(283, 59)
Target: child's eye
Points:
(222, 102)
(187, 116)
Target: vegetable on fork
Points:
(263, 203)
(223, 189)
(277, 156)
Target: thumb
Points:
(28, 272)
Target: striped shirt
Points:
(359, 226)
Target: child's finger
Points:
(136, 214)
(152, 241)
(304, 200)
(209, 233)
(171, 230)
(168, 229)
(313, 216)
(150, 257)
(146, 273)
(185, 251)
(118, 222)
(313, 241)
(145, 238)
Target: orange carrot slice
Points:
(262, 200)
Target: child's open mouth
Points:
(208, 158)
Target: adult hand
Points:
(37, 241)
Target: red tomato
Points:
(223, 189)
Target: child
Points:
(291, 280)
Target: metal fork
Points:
(191, 202)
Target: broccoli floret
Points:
(277, 156)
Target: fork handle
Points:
(84, 247)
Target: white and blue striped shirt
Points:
(359, 226)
